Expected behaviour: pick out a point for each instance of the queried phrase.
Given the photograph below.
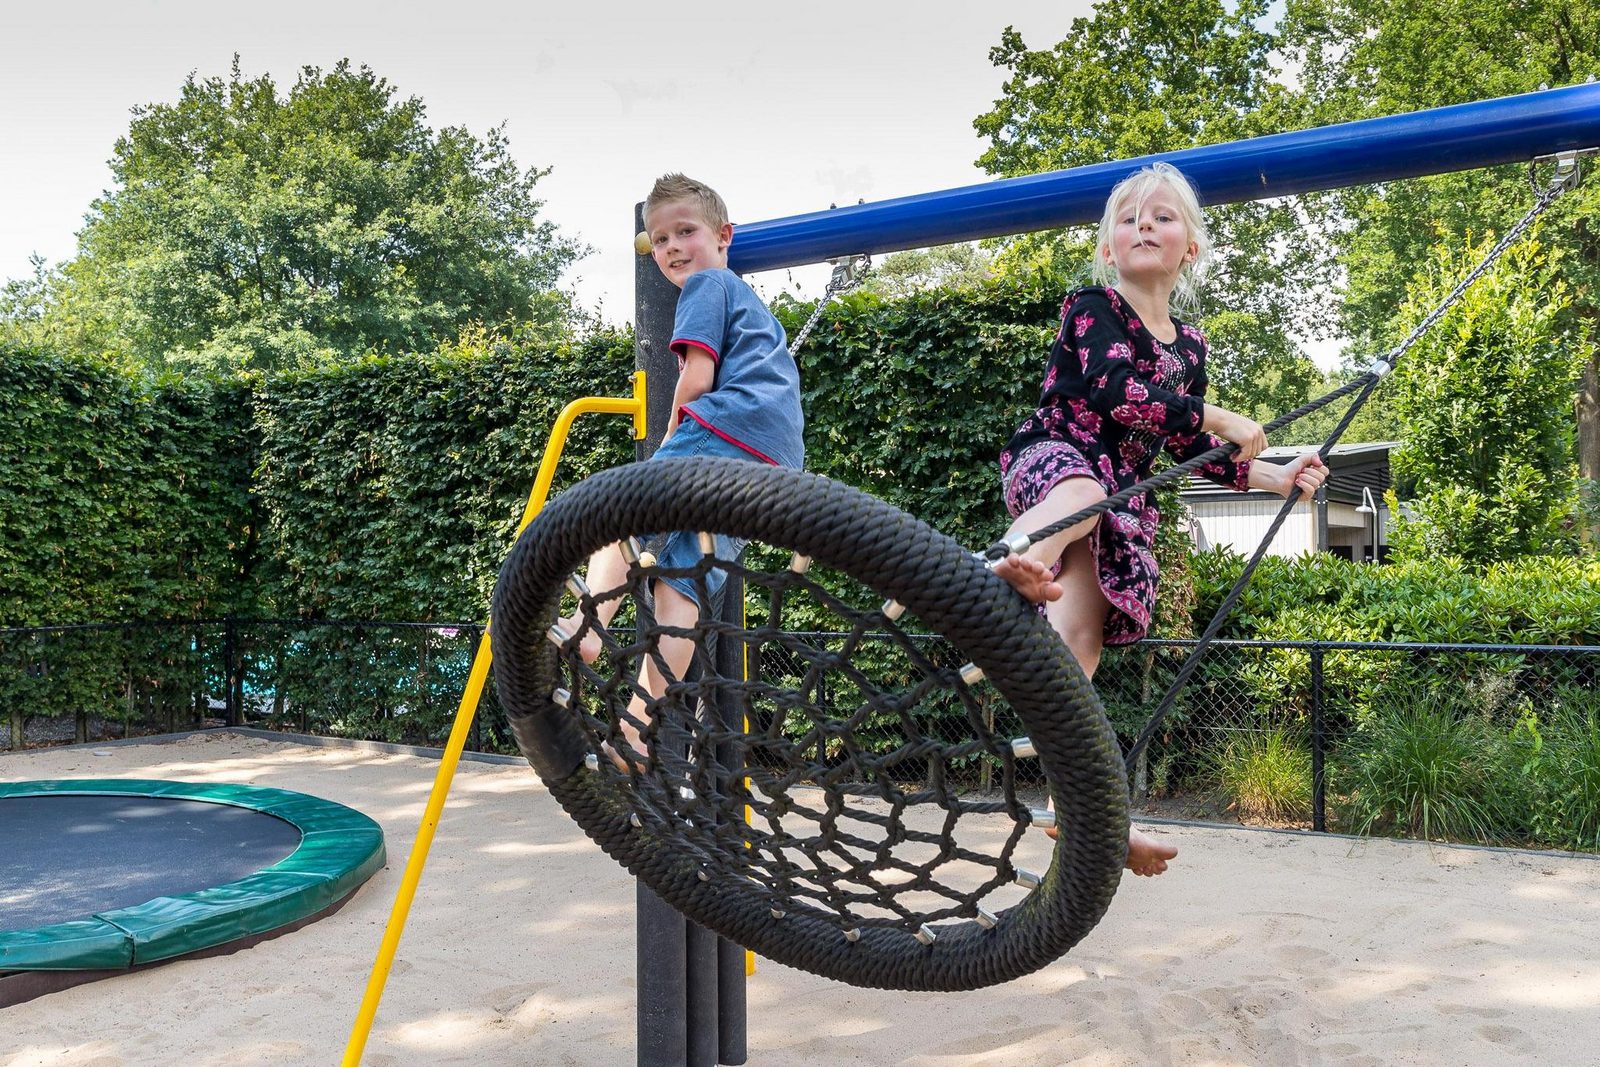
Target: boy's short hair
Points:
(670, 188)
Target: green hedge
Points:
(388, 488)
(912, 399)
(121, 498)
(391, 487)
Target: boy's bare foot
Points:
(635, 745)
(1029, 577)
(619, 761)
(589, 646)
(1146, 855)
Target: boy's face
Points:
(682, 242)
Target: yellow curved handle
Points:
(602, 405)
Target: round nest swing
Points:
(818, 824)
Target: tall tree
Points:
(1151, 76)
(954, 265)
(1363, 58)
(252, 228)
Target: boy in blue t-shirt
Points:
(738, 395)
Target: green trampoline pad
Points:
(226, 863)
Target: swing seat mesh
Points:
(816, 818)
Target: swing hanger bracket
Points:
(847, 271)
(1567, 170)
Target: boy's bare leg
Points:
(607, 570)
(675, 610)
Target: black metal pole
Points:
(661, 951)
(1319, 812)
(734, 660)
(662, 933)
(232, 680)
(700, 989)
(691, 993)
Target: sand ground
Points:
(1257, 948)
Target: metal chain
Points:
(847, 274)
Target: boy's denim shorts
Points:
(681, 548)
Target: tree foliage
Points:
(1485, 400)
(1364, 58)
(963, 264)
(1153, 76)
(1367, 58)
(249, 228)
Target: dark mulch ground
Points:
(45, 732)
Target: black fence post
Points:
(233, 677)
(1319, 812)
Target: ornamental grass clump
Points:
(1419, 770)
(1266, 776)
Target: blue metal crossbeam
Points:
(1462, 137)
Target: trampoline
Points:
(99, 877)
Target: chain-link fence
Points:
(1494, 743)
(1481, 742)
(1485, 742)
(385, 681)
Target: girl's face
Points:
(1150, 242)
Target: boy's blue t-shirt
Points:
(754, 400)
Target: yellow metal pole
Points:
(468, 709)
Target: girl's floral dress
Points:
(1113, 397)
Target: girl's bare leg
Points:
(1078, 613)
(1029, 572)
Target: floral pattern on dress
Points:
(1113, 397)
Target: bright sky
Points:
(784, 109)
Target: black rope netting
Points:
(819, 818)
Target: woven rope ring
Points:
(817, 819)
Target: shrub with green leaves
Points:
(1485, 405)
(1548, 770)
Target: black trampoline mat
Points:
(67, 857)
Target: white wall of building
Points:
(1240, 522)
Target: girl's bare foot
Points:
(1029, 577)
(1146, 855)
